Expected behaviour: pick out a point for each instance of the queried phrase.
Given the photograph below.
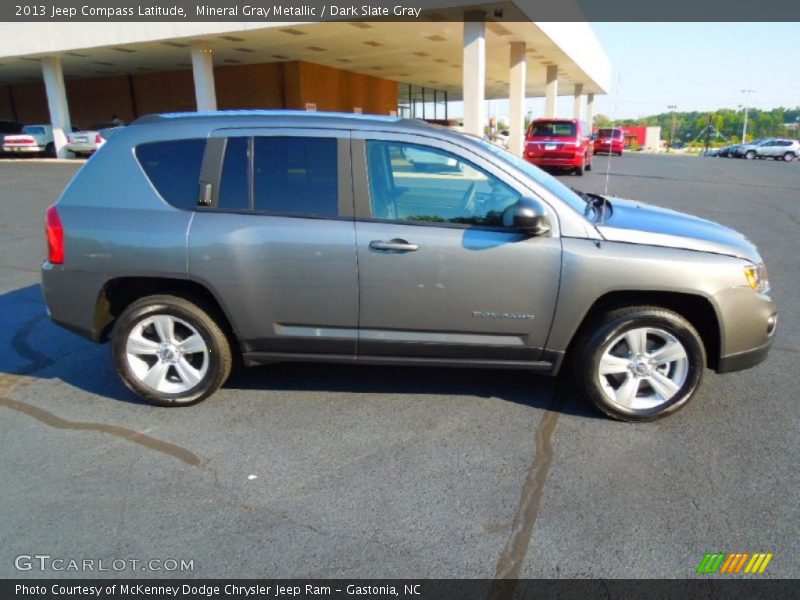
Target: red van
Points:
(562, 143)
(610, 140)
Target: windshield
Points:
(33, 130)
(552, 129)
(553, 185)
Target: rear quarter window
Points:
(173, 167)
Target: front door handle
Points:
(393, 246)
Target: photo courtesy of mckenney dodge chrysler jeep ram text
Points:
(283, 236)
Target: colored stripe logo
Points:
(734, 563)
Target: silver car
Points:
(294, 236)
(779, 149)
(87, 141)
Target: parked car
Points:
(8, 128)
(725, 151)
(33, 139)
(748, 150)
(561, 143)
(86, 142)
(779, 149)
(609, 140)
(285, 235)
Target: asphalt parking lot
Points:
(341, 471)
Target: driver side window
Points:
(413, 183)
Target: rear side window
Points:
(296, 176)
(173, 168)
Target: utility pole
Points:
(672, 108)
(746, 106)
(708, 131)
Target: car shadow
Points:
(38, 348)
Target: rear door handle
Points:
(393, 246)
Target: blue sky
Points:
(698, 66)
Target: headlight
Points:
(756, 276)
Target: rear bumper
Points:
(23, 149)
(552, 161)
(72, 298)
(81, 148)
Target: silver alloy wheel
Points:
(167, 354)
(643, 368)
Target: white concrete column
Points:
(57, 102)
(203, 71)
(576, 102)
(590, 109)
(551, 92)
(516, 98)
(474, 74)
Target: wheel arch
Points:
(118, 293)
(696, 309)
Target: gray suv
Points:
(191, 239)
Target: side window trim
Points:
(362, 199)
(213, 173)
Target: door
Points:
(439, 275)
(276, 241)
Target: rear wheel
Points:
(170, 351)
(789, 156)
(579, 170)
(639, 363)
(750, 154)
(50, 150)
(589, 166)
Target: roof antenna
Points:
(608, 156)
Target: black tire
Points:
(218, 354)
(50, 150)
(593, 342)
(579, 170)
(750, 154)
(589, 166)
(789, 156)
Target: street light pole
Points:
(672, 108)
(746, 107)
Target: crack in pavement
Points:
(509, 565)
(131, 435)
(38, 361)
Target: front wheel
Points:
(789, 156)
(750, 154)
(640, 363)
(170, 351)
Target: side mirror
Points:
(527, 215)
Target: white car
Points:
(779, 149)
(86, 142)
(34, 139)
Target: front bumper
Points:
(744, 360)
(748, 323)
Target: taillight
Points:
(98, 139)
(55, 236)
